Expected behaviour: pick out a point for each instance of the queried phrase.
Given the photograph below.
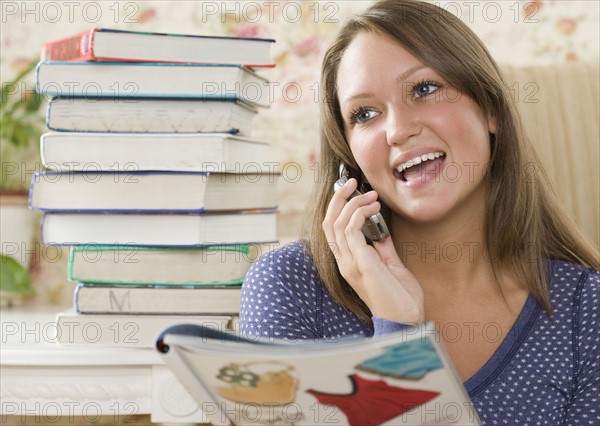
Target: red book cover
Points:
(103, 44)
(78, 47)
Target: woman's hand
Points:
(375, 272)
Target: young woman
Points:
(417, 109)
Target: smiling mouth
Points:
(416, 166)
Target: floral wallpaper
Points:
(516, 32)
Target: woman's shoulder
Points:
(287, 269)
(289, 259)
(573, 284)
(283, 296)
(569, 276)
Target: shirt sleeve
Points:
(584, 407)
(383, 326)
(279, 298)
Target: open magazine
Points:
(404, 378)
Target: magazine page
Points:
(401, 379)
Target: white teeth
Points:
(419, 160)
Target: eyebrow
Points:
(402, 77)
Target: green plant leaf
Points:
(20, 120)
(13, 276)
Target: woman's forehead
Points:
(370, 61)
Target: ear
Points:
(492, 127)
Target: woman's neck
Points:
(450, 253)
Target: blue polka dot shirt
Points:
(545, 371)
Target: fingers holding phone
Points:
(374, 271)
(351, 210)
(346, 216)
(374, 227)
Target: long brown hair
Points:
(524, 222)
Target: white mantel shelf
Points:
(39, 377)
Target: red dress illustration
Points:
(373, 402)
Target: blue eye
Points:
(361, 115)
(425, 88)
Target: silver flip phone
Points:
(375, 228)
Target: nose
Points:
(402, 124)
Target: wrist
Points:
(410, 317)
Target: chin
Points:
(423, 218)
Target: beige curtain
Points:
(559, 105)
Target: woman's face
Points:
(421, 144)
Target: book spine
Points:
(124, 331)
(242, 84)
(31, 187)
(95, 254)
(233, 120)
(79, 47)
(49, 110)
(53, 231)
(243, 248)
(123, 283)
(115, 299)
(43, 238)
(70, 261)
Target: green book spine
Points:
(243, 249)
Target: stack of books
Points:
(153, 178)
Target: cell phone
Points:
(375, 228)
